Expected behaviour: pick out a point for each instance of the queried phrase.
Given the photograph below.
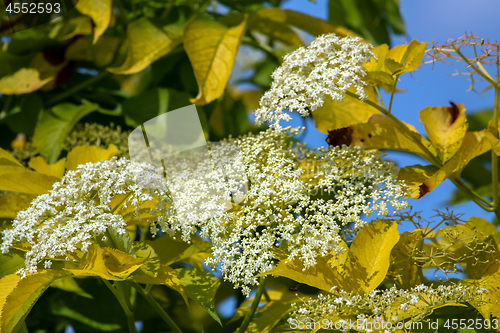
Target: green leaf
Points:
(369, 256)
(268, 318)
(211, 47)
(24, 115)
(100, 12)
(93, 264)
(10, 263)
(122, 242)
(146, 44)
(266, 24)
(171, 250)
(17, 296)
(446, 128)
(334, 115)
(24, 81)
(200, 286)
(69, 284)
(54, 126)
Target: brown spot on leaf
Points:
(454, 112)
(424, 189)
(339, 137)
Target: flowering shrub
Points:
(316, 229)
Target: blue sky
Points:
(430, 20)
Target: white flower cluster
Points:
(294, 196)
(329, 66)
(392, 307)
(76, 210)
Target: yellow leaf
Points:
(56, 170)
(334, 115)
(85, 154)
(17, 296)
(24, 81)
(99, 11)
(47, 69)
(211, 47)
(369, 256)
(446, 128)
(402, 268)
(79, 50)
(103, 52)
(325, 275)
(7, 159)
(166, 276)
(13, 203)
(21, 180)
(93, 264)
(119, 263)
(146, 44)
(404, 58)
(473, 144)
(414, 176)
(380, 132)
(377, 63)
(492, 284)
(261, 22)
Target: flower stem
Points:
(253, 307)
(494, 157)
(125, 307)
(392, 93)
(157, 307)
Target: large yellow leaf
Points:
(404, 58)
(17, 296)
(473, 144)
(119, 263)
(93, 264)
(380, 132)
(24, 81)
(325, 275)
(146, 44)
(21, 180)
(211, 47)
(403, 269)
(446, 128)
(38, 164)
(414, 176)
(13, 203)
(85, 154)
(369, 256)
(99, 11)
(492, 284)
(7, 159)
(334, 115)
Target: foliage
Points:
(73, 88)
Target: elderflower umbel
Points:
(329, 66)
(75, 211)
(417, 302)
(294, 195)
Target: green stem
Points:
(121, 202)
(494, 157)
(379, 96)
(429, 156)
(392, 93)
(157, 307)
(253, 307)
(69, 92)
(126, 309)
